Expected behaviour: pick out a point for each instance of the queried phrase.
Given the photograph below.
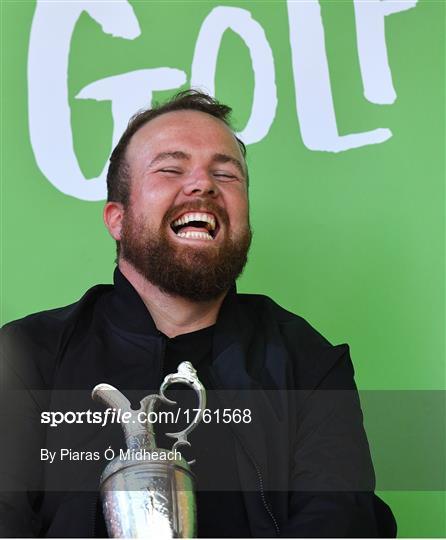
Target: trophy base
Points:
(148, 499)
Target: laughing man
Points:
(178, 210)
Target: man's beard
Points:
(198, 273)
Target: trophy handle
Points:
(186, 374)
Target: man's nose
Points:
(201, 182)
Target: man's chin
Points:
(196, 262)
(194, 277)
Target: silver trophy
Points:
(144, 494)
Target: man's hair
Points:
(118, 176)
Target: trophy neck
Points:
(141, 441)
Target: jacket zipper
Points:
(257, 468)
(262, 491)
(162, 358)
(94, 515)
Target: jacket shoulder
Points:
(265, 308)
(313, 360)
(57, 318)
(30, 345)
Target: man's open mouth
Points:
(197, 225)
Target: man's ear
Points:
(113, 215)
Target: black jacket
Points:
(304, 463)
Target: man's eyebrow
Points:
(225, 158)
(177, 154)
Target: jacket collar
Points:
(233, 331)
(236, 364)
(127, 309)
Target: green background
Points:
(353, 242)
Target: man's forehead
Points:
(193, 128)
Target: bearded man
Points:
(178, 210)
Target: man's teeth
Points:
(195, 234)
(186, 218)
